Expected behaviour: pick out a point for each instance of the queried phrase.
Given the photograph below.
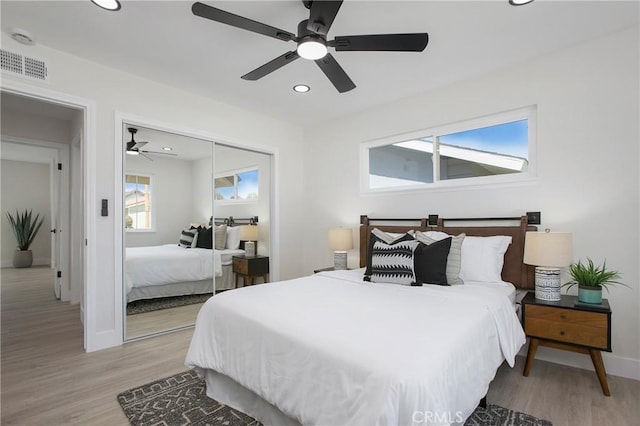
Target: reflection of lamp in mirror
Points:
(249, 233)
(340, 240)
(548, 251)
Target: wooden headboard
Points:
(513, 271)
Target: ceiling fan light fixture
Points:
(301, 88)
(108, 4)
(132, 152)
(312, 49)
(519, 2)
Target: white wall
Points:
(172, 200)
(587, 149)
(29, 126)
(25, 186)
(114, 91)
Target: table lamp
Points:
(340, 240)
(548, 251)
(249, 233)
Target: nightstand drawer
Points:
(567, 316)
(595, 337)
(567, 325)
(241, 266)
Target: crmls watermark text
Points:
(437, 417)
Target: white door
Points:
(55, 225)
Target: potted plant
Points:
(25, 228)
(591, 279)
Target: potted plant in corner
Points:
(25, 228)
(591, 279)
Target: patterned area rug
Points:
(182, 400)
(148, 305)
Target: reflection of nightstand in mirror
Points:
(250, 267)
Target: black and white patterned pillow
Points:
(186, 237)
(393, 263)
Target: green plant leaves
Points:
(591, 275)
(25, 227)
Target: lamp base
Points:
(548, 284)
(250, 248)
(339, 260)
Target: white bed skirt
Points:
(229, 392)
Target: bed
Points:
(183, 269)
(334, 349)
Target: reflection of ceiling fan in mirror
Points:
(133, 147)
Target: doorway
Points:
(37, 139)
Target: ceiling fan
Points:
(133, 147)
(312, 40)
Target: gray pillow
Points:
(221, 237)
(454, 260)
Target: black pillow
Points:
(430, 262)
(372, 241)
(205, 238)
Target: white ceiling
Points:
(163, 41)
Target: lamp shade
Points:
(249, 233)
(340, 239)
(553, 249)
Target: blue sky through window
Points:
(508, 138)
(248, 184)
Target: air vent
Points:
(23, 65)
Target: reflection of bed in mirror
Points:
(188, 267)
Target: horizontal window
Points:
(490, 149)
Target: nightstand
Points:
(563, 325)
(250, 267)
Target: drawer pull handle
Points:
(563, 316)
(562, 332)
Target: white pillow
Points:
(483, 257)
(233, 237)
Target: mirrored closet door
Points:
(167, 199)
(190, 207)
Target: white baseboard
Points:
(615, 365)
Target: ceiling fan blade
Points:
(159, 153)
(145, 155)
(415, 42)
(335, 73)
(271, 66)
(322, 15)
(139, 145)
(209, 12)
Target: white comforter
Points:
(329, 349)
(169, 263)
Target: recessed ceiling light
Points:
(167, 148)
(107, 4)
(301, 88)
(519, 2)
(22, 36)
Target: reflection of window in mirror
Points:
(237, 185)
(138, 214)
(496, 148)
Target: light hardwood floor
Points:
(47, 378)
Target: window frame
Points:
(152, 202)
(529, 113)
(235, 173)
